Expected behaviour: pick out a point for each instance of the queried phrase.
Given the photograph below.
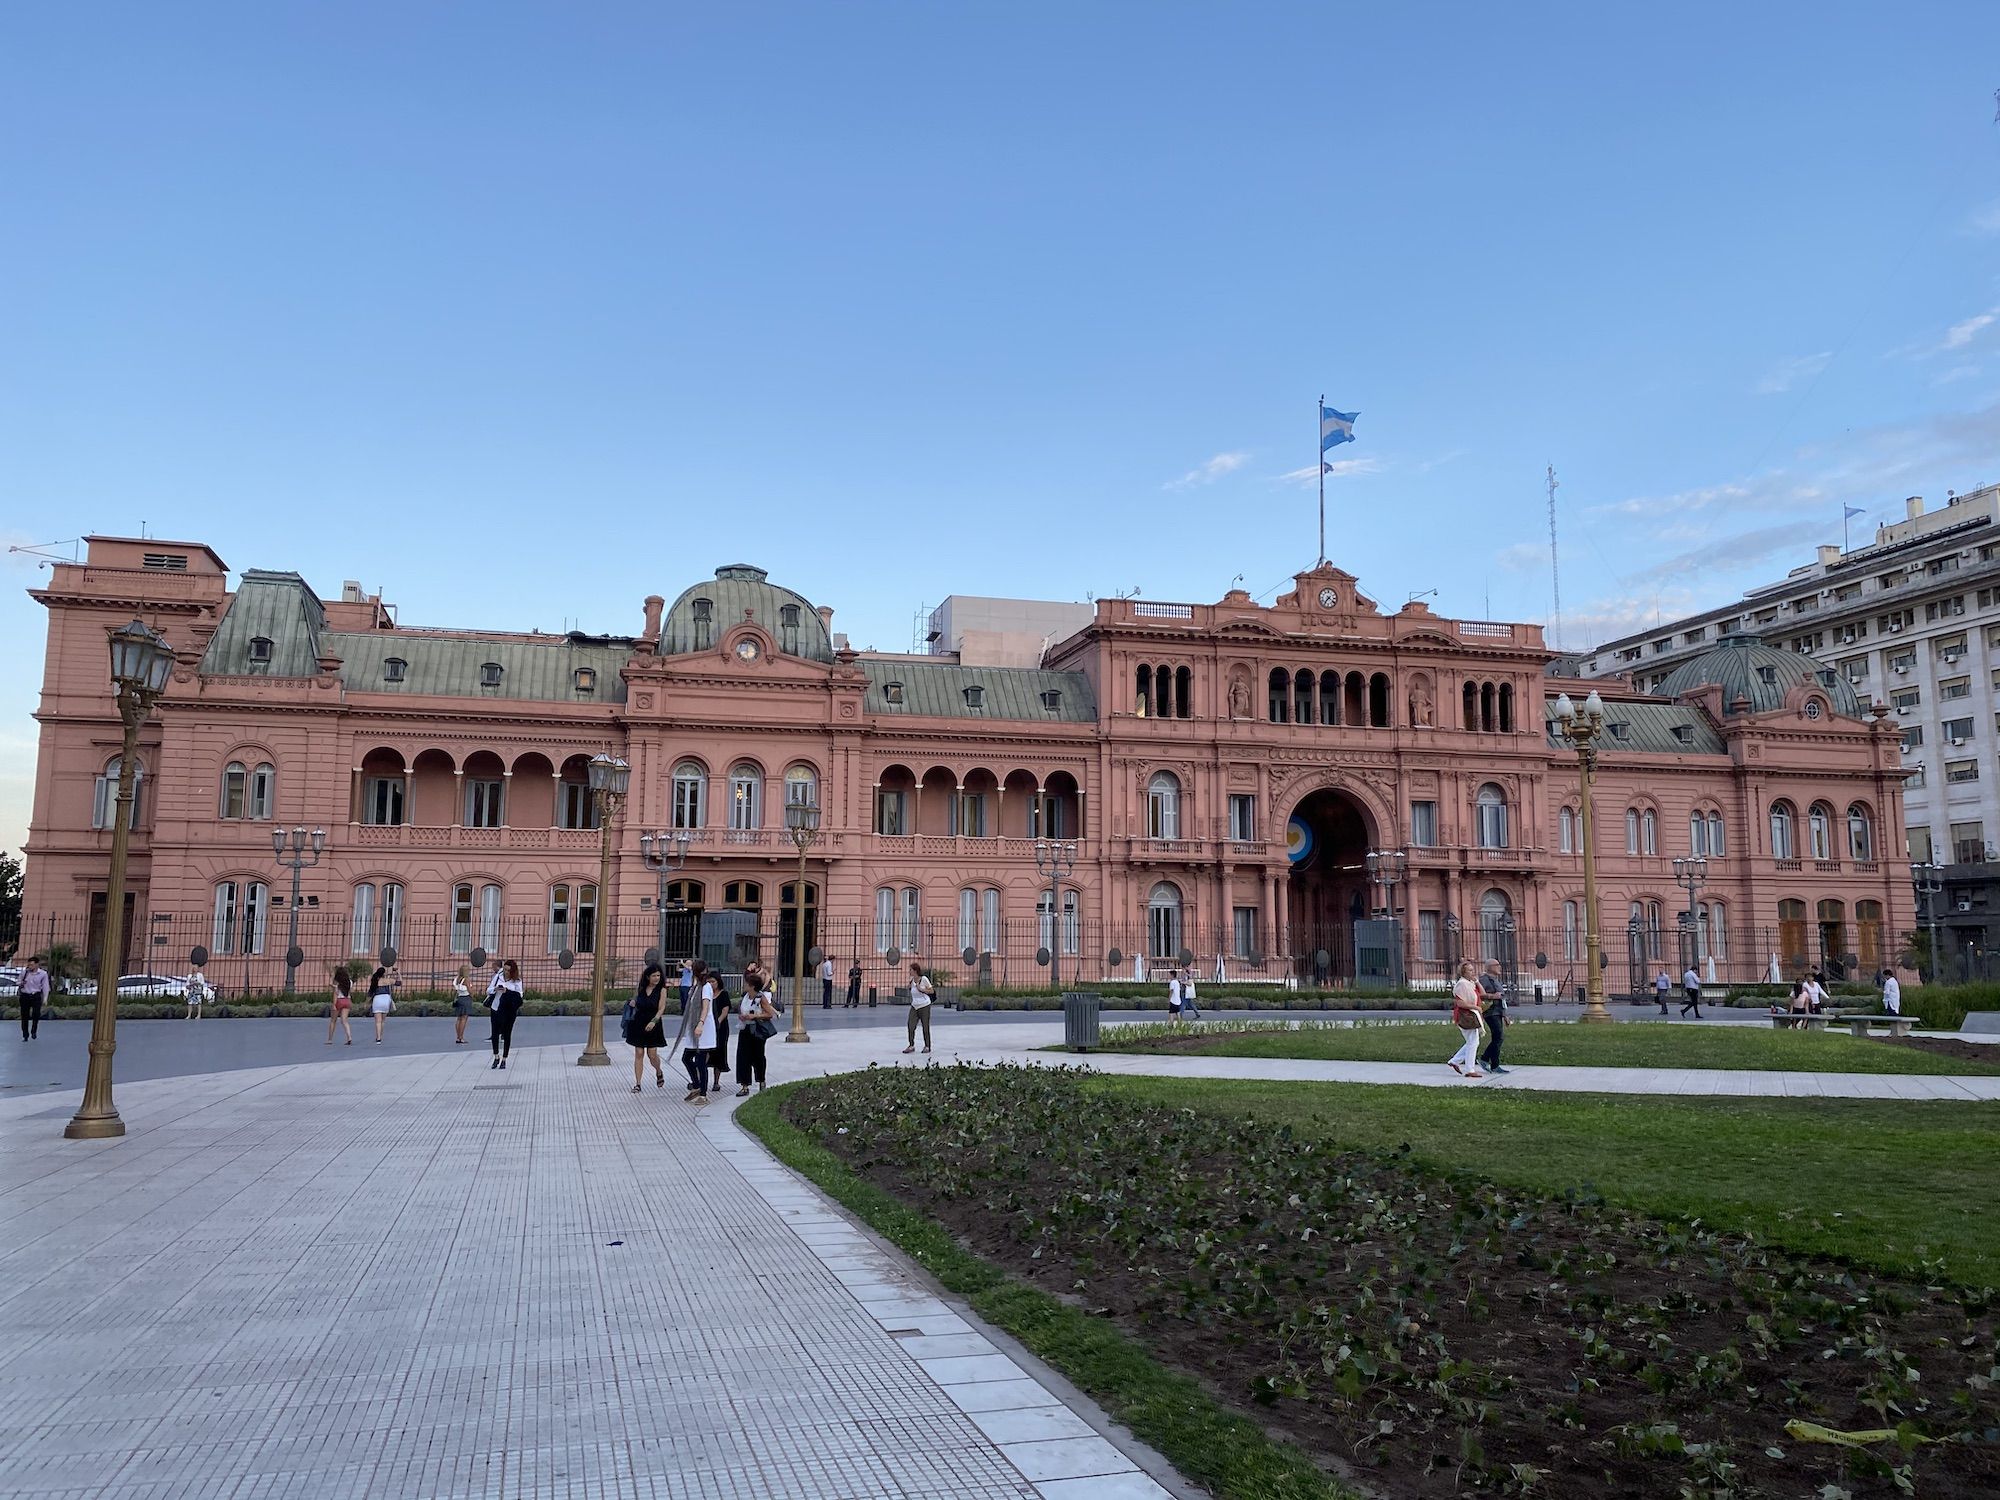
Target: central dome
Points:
(1745, 668)
(702, 614)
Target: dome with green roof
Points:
(1747, 669)
(704, 613)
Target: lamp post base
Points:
(799, 1036)
(598, 1059)
(94, 1127)
(1594, 1012)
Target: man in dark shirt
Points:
(1494, 994)
(854, 984)
(33, 995)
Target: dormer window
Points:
(586, 681)
(892, 692)
(788, 628)
(1620, 730)
(704, 623)
(260, 648)
(489, 674)
(1768, 676)
(1052, 700)
(1684, 733)
(975, 697)
(394, 669)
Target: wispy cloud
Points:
(1791, 372)
(1959, 335)
(1338, 469)
(1957, 373)
(1209, 471)
(1986, 220)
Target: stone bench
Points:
(1792, 1020)
(1894, 1025)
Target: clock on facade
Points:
(747, 650)
(1328, 598)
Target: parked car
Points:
(77, 987)
(10, 980)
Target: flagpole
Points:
(1319, 463)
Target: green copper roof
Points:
(454, 665)
(278, 608)
(937, 690)
(1745, 668)
(1648, 729)
(738, 588)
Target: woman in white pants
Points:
(1465, 1008)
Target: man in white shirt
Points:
(1691, 988)
(33, 996)
(1173, 994)
(1892, 993)
(826, 983)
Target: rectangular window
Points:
(392, 915)
(989, 920)
(1243, 931)
(1424, 824)
(364, 918)
(1957, 729)
(382, 801)
(889, 808)
(1968, 843)
(1242, 817)
(559, 918)
(1902, 661)
(1955, 687)
(1919, 840)
(1072, 922)
(1950, 645)
(482, 804)
(222, 932)
(1430, 936)
(461, 919)
(885, 920)
(968, 815)
(1913, 737)
(1961, 770)
(1855, 668)
(968, 918)
(586, 919)
(912, 918)
(1906, 698)
(489, 917)
(579, 808)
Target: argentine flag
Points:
(1335, 427)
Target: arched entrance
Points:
(1327, 838)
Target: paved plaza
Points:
(396, 1272)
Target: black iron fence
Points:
(1024, 953)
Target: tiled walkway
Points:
(429, 1279)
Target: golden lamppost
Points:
(1579, 729)
(609, 777)
(140, 662)
(802, 823)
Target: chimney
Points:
(350, 593)
(1913, 507)
(1829, 555)
(826, 618)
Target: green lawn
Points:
(1906, 1187)
(1558, 1044)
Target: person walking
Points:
(1817, 996)
(1662, 984)
(505, 1006)
(1465, 1016)
(1188, 1008)
(921, 995)
(854, 985)
(645, 1026)
(34, 995)
(720, 1005)
(698, 1032)
(826, 982)
(1173, 994)
(758, 1015)
(687, 983)
(1493, 999)
(1892, 993)
(1691, 988)
(461, 1000)
(343, 1006)
(381, 997)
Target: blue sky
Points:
(521, 312)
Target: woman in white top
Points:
(699, 1035)
(758, 1013)
(1465, 1009)
(461, 998)
(921, 995)
(504, 1001)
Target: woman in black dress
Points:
(645, 1032)
(718, 1057)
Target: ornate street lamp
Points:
(1580, 729)
(1054, 860)
(295, 861)
(140, 662)
(1690, 874)
(1928, 879)
(609, 777)
(802, 823)
(1387, 868)
(665, 854)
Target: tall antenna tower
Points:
(1555, 572)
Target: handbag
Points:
(631, 1012)
(764, 1027)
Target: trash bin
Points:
(1081, 1012)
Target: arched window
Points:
(1566, 831)
(572, 917)
(1142, 698)
(241, 911)
(104, 796)
(263, 789)
(1329, 697)
(1649, 832)
(801, 787)
(489, 917)
(704, 623)
(1715, 849)
(1711, 931)
(1163, 806)
(235, 792)
(1819, 827)
(1506, 708)
(1572, 945)
(1471, 710)
(1868, 936)
(1494, 911)
(1486, 714)
(913, 918)
(1163, 691)
(1303, 684)
(1784, 838)
(746, 796)
(1860, 833)
(1045, 921)
(1631, 830)
(378, 917)
(1697, 833)
(1833, 936)
(1163, 921)
(885, 919)
(1792, 934)
(462, 897)
(690, 795)
(968, 919)
(1183, 693)
(989, 920)
(362, 929)
(1279, 710)
(1491, 809)
(1378, 701)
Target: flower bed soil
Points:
(1947, 1046)
(1428, 1335)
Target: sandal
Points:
(659, 1079)
(743, 1092)
(636, 1089)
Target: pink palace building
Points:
(1224, 769)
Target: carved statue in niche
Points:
(1421, 706)
(1239, 697)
